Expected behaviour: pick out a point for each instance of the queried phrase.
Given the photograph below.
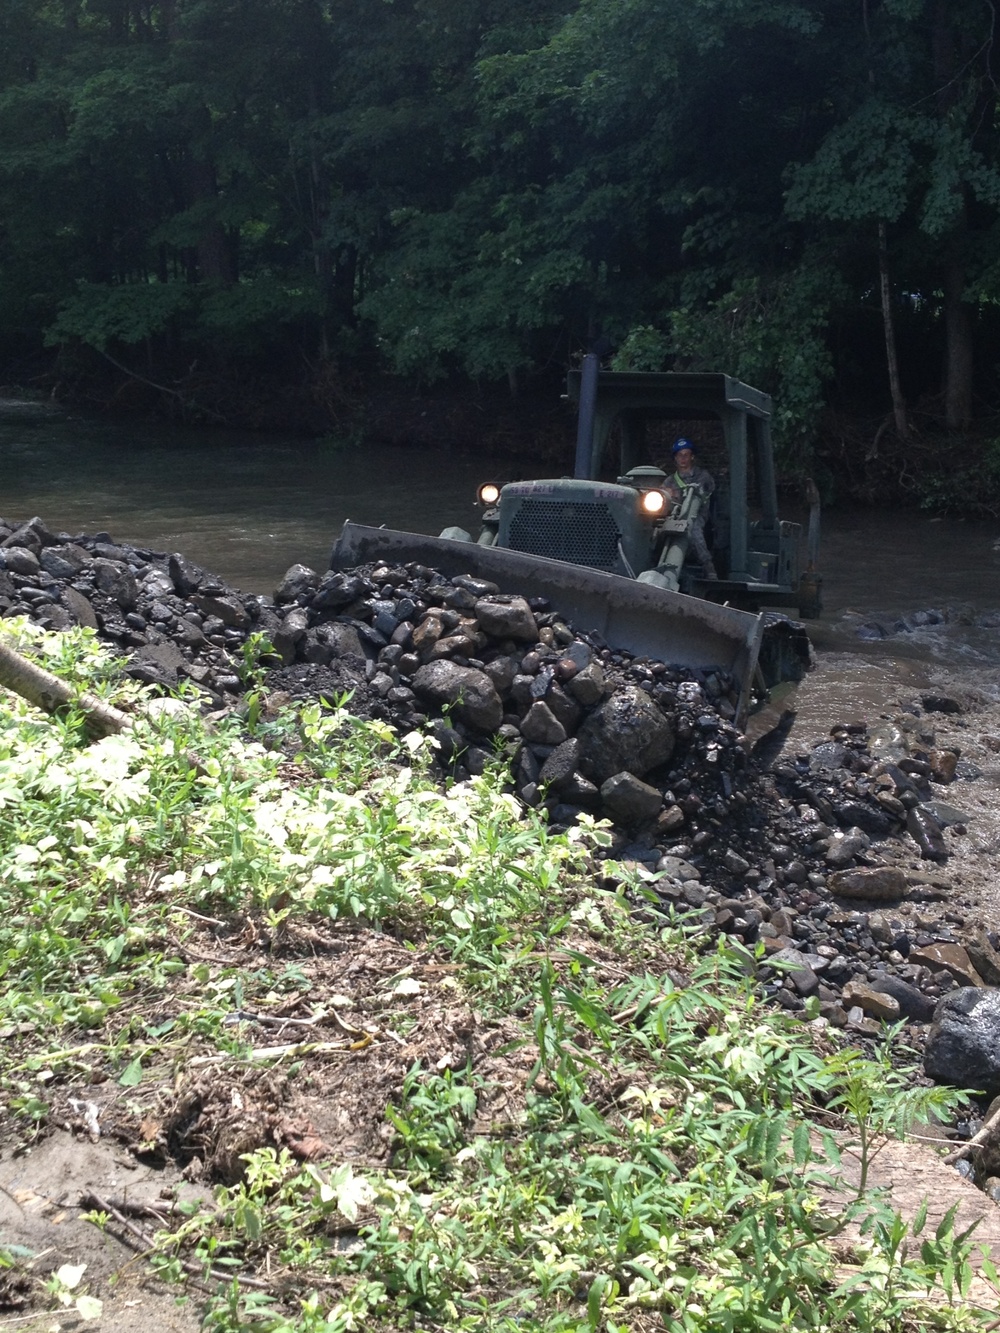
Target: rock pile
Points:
(813, 859)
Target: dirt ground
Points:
(175, 1136)
(318, 1089)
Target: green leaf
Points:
(131, 1075)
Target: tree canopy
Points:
(799, 192)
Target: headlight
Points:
(489, 493)
(654, 502)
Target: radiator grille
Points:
(579, 532)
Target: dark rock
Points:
(468, 691)
(229, 609)
(559, 769)
(963, 1043)
(157, 664)
(116, 581)
(877, 883)
(940, 703)
(926, 832)
(629, 800)
(184, 574)
(336, 590)
(541, 726)
(626, 733)
(506, 617)
(79, 608)
(297, 582)
(912, 1003)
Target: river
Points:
(247, 506)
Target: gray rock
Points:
(505, 617)
(587, 686)
(79, 607)
(477, 586)
(841, 851)
(115, 580)
(20, 560)
(793, 964)
(297, 581)
(629, 800)
(290, 633)
(627, 733)
(876, 883)
(563, 708)
(229, 609)
(559, 768)
(963, 1042)
(63, 562)
(467, 690)
(675, 867)
(501, 671)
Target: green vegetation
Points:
(618, 1136)
(803, 194)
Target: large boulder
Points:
(467, 691)
(627, 733)
(963, 1042)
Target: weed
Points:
(666, 1166)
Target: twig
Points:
(91, 1200)
(209, 920)
(978, 1140)
(279, 1052)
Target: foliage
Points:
(472, 190)
(673, 1154)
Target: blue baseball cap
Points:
(682, 444)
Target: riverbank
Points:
(324, 1040)
(315, 893)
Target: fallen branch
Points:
(984, 1137)
(196, 1271)
(51, 694)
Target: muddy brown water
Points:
(247, 506)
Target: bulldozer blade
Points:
(647, 621)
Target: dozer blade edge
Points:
(645, 620)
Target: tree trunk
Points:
(889, 325)
(959, 353)
(959, 359)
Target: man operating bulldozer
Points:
(687, 473)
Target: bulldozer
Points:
(613, 553)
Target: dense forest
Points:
(257, 210)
